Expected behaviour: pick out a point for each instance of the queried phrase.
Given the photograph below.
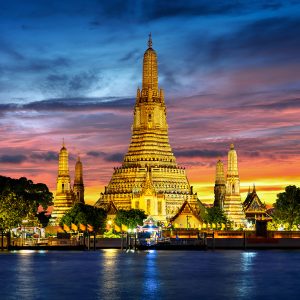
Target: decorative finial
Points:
(150, 41)
(63, 143)
(254, 189)
(231, 147)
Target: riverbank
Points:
(178, 240)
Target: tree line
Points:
(20, 199)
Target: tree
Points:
(287, 207)
(43, 218)
(20, 199)
(85, 214)
(131, 218)
(215, 215)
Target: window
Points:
(137, 205)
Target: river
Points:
(112, 274)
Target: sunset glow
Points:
(230, 75)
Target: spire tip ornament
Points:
(150, 41)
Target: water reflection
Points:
(246, 286)
(109, 280)
(25, 276)
(247, 260)
(151, 276)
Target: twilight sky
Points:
(230, 71)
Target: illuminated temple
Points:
(66, 196)
(232, 205)
(149, 177)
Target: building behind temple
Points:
(227, 191)
(66, 196)
(228, 198)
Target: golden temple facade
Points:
(232, 206)
(149, 177)
(65, 197)
(220, 185)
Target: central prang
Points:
(149, 177)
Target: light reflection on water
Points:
(109, 281)
(246, 285)
(112, 275)
(151, 282)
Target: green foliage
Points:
(287, 207)
(131, 218)
(19, 200)
(215, 215)
(85, 214)
(111, 235)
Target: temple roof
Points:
(250, 199)
(111, 209)
(184, 208)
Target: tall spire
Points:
(232, 162)
(64, 198)
(63, 164)
(150, 41)
(232, 204)
(220, 187)
(150, 71)
(78, 182)
(78, 171)
(220, 178)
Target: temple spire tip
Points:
(150, 41)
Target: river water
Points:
(112, 274)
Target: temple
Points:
(220, 185)
(149, 177)
(233, 207)
(254, 208)
(65, 196)
(78, 187)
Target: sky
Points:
(230, 71)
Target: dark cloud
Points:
(199, 153)
(8, 50)
(278, 105)
(95, 153)
(161, 9)
(33, 64)
(67, 84)
(252, 153)
(115, 157)
(46, 156)
(150, 10)
(131, 56)
(72, 104)
(13, 159)
(268, 40)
